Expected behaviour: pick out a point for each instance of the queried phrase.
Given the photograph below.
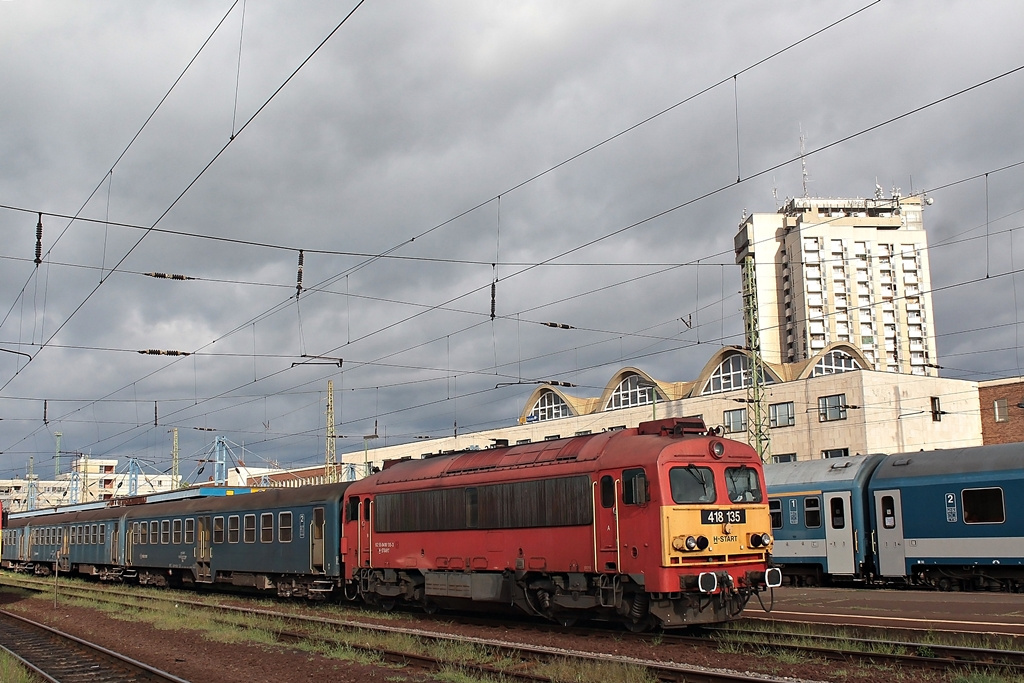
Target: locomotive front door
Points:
(365, 534)
(892, 559)
(204, 551)
(839, 551)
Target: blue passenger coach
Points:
(819, 518)
(952, 519)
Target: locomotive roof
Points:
(579, 454)
(972, 460)
(831, 473)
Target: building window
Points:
(1002, 410)
(630, 393)
(835, 453)
(784, 457)
(731, 374)
(833, 362)
(735, 420)
(548, 407)
(781, 415)
(832, 408)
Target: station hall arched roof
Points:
(836, 357)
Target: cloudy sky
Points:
(417, 152)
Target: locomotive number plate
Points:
(723, 516)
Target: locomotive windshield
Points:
(743, 485)
(692, 484)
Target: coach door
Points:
(316, 539)
(204, 551)
(892, 559)
(839, 550)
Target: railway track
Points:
(62, 658)
(518, 658)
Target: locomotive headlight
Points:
(691, 543)
(766, 540)
(717, 449)
(755, 540)
(679, 543)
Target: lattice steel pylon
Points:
(331, 454)
(757, 413)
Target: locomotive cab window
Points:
(634, 487)
(983, 506)
(743, 485)
(812, 513)
(607, 491)
(692, 484)
(775, 510)
(352, 509)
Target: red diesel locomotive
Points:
(665, 524)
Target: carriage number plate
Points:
(723, 516)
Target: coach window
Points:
(176, 532)
(352, 509)
(218, 529)
(888, 512)
(165, 531)
(267, 527)
(812, 513)
(103, 534)
(154, 532)
(775, 510)
(190, 531)
(136, 534)
(95, 534)
(249, 534)
(233, 529)
(634, 487)
(837, 513)
(743, 485)
(692, 484)
(607, 491)
(284, 527)
(983, 506)
(143, 533)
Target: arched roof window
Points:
(733, 373)
(549, 407)
(835, 361)
(630, 393)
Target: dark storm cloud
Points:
(412, 114)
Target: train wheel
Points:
(431, 608)
(640, 626)
(567, 621)
(944, 584)
(387, 604)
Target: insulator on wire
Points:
(39, 240)
(170, 276)
(494, 287)
(163, 352)
(561, 326)
(46, 420)
(154, 414)
(298, 279)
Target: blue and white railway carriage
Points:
(286, 540)
(952, 519)
(819, 518)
